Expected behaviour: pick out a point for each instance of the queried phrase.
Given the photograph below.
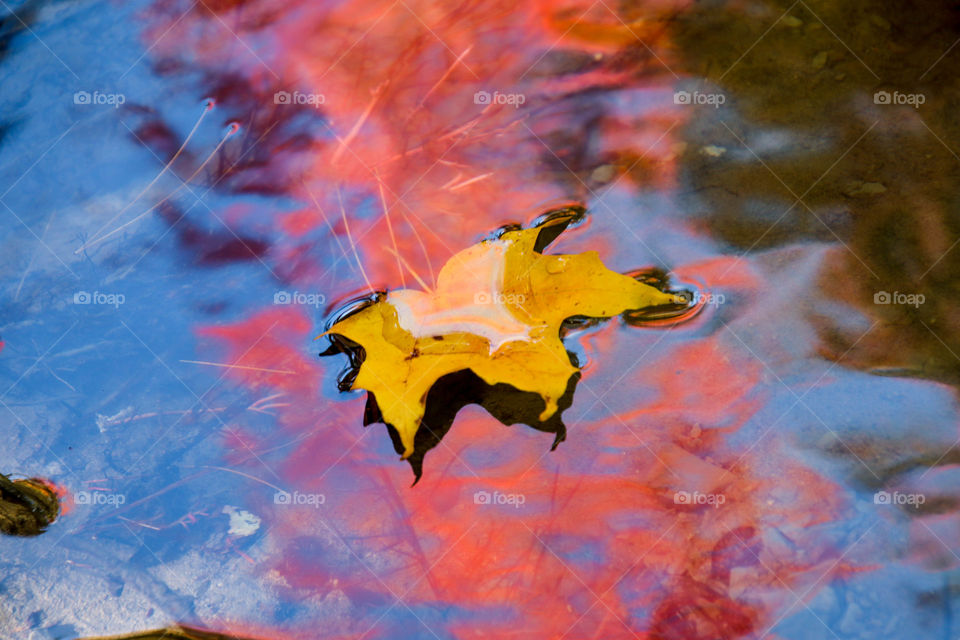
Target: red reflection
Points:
(599, 542)
(604, 544)
(414, 110)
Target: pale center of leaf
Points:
(469, 298)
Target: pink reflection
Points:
(622, 531)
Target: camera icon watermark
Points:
(487, 98)
(97, 297)
(899, 499)
(299, 98)
(912, 299)
(698, 98)
(296, 499)
(911, 99)
(296, 297)
(516, 500)
(687, 498)
(99, 498)
(98, 98)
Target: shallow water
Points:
(781, 465)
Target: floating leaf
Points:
(493, 323)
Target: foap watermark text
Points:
(696, 498)
(706, 298)
(299, 98)
(99, 498)
(912, 299)
(485, 98)
(486, 497)
(499, 298)
(297, 498)
(698, 98)
(911, 99)
(99, 98)
(899, 499)
(297, 297)
(99, 297)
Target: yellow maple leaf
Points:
(496, 311)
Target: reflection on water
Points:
(842, 131)
(782, 464)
